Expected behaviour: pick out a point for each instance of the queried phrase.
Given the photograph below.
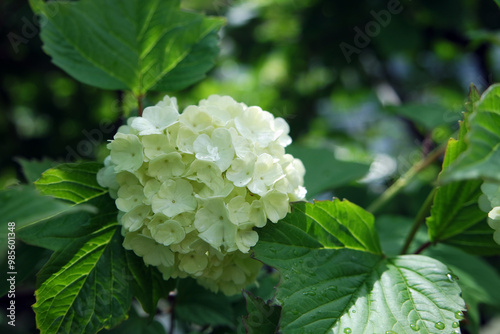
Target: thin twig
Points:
(419, 220)
(405, 179)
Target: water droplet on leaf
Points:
(439, 325)
(459, 315)
(455, 324)
(347, 330)
(415, 327)
(309, 293)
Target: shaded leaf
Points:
(137, 325)
(323, 171)
(33, 169)
(195, 304)
(429, 116)
(148, 285)
(262, 318)
(57, 232)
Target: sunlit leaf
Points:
(85, 286)
(342, 290)
(73, 182)
(120, 44)
(482, 156)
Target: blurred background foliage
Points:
(387, 105)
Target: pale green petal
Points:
(134, 219)
(275, 205)
(166, 231)
(166, 166)
(156, 145)
(193, 263)
(126, 152)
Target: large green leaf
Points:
(32, 169)
(24, 205)
(137, 325)
(323, 171)
(263, 317)
(335, 224)
(325, 289)
(478, 280)
(455, 207)
(195, 304)
(482, 157)
(85, 286)
(119, 44)
(147, 282)
(73, 182)
(455, 215)
(477, 239)
(57, 232)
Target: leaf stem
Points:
(419, 220)
(405, 179)
(421, 248)
(139, 104)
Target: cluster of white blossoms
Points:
(490, 202)
(191, 188)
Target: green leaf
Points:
(482, 156)
(429, 116)
(148, 285)
(455, 207)
(85, 287)
(262, 317)
(335, 224)
(137, 325)
(195, 304)
(24, 205)
(57, 232)
(323, 171)
(478, 279)
(73, 182)
(33, 169)
(325, 289)
(477, 240)
(455, 215)
(393, 230)
(139, 45)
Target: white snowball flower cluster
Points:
(192, 187)
(490, 202)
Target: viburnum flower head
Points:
(193, 188)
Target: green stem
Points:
(419, 220)
(405, 179)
